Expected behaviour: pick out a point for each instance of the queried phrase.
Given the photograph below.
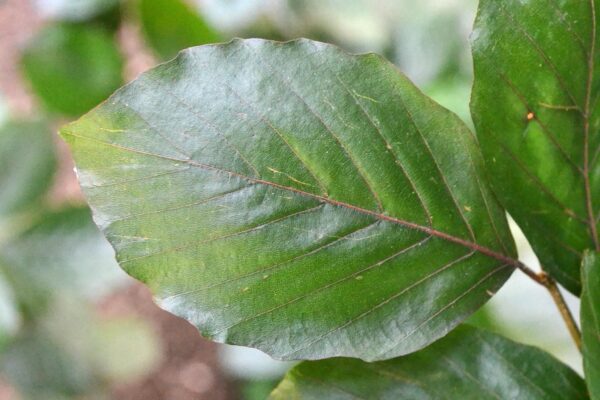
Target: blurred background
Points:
(72, 325)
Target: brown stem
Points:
(550, 284)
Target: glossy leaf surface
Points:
(72, 68)
(467, 364)
(294, 198)
(590, 321)
(535, 110)
(171, 26)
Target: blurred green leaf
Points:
(65, 253)
(117, 350)
(72, 68)
(39, 369)
(27, 165)
(469, 363)
(590, 321)
(171, 25)
(69, 352)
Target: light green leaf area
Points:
(295, 198)
(469, 363)
(27, 165)
(72, 68)
(535, 108)
(171, 25)
(590, 321)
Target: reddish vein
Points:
(433, 232)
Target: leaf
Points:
(72, 68)
(27, 165)
(590, 321)
(171, 25)
(296, 199)
(467, 364)
(534, 107)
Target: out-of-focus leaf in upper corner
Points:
(64, 252)
(171, 25)
(27, 165)
(72, 68)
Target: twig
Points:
(565, 313)
(549, 283)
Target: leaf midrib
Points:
(411, 225)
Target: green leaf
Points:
(590, 321)
(467, 364)
(171, 26)
(295, 198)
(535, 110)
(27, 164)
(72, 68)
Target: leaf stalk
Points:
(550, 284)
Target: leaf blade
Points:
(590, 322)
(296, 203)
(535, 67)
(468, 364)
